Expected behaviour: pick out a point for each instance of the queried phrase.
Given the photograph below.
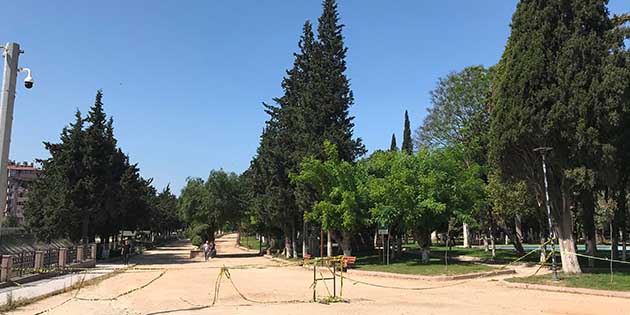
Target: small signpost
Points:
(383, 232)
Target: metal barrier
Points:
(51, 258)
(72, 255)
(22, 261)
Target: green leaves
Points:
(87, 186)
(207, 206)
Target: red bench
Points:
(306, 256)
(348, 261)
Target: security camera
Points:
(28, 81)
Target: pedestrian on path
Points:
(213, 251)
(125, 251)
(206, 250)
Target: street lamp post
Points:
(554, 269)
(11, 55)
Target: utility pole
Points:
(554, 270)
(11, 55)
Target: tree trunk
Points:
(238, 235)
(346, 243)
(570, 264)
(493, 246)
(287, 243)
(588, 219)
(619, 220)
(485, 243)
(294, 240)
(305, 236)
(543, 250)
(329, 244)
(466, 235)
(518, 228)
(424, 241)
(85, 229)
(518, 246)
(399, 245)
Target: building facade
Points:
(20, 177)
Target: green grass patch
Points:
(594, 280)
(250, 242)
(410, 264)
(502, 255)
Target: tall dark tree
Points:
(59, 193)
(333, 87)
(546, 95)
(87, 186)
(393, 146)
(407, 145)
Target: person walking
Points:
(206, 250)
(213, 251)
(125, 252)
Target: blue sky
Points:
(184, 80)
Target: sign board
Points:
(383, 231)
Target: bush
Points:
(197, 240)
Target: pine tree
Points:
(392, 146)
(407, 145)
(333, 87)
(59, 193)
(547, 94)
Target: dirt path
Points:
(186, 286)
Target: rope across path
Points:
(225, 274)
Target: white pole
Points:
(11, 55)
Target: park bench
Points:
(307, 256)
(348, 261)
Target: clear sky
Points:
(184, 80)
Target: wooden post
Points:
(334, 265)
(315, 281)
(5, 268)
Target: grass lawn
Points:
(250, 242)
(595, 280)
(410, 264)
(502, 255)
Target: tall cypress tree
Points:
(59, 193)
(407, 145)
(392, 146)
(547, 94)
(333, 87)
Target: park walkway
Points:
(177, 285)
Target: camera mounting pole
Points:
(11, 55)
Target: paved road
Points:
(187, 287)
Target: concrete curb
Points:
(414, 277)
(431, 278)
(49, 287)
(550, 288)
(243, 248)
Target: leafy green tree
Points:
(459, 117)
(206, 206)
(341, 209)
(407, 145)
(192, 208)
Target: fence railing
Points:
(22, 262)
(51, 258)
(17, 265)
